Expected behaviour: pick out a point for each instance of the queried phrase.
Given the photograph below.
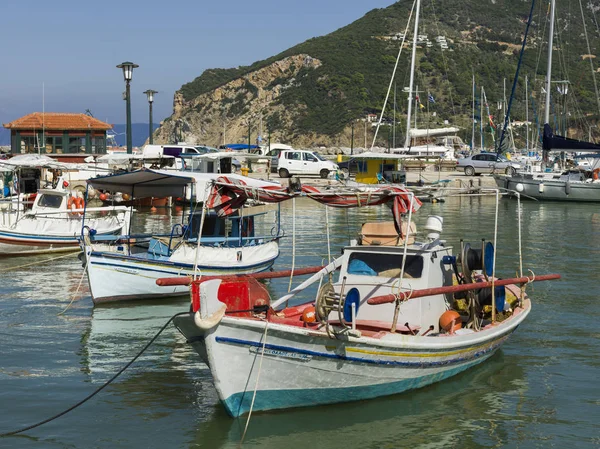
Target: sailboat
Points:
(568, 185)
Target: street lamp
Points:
(150, 94)
(127, 75)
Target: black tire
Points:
(324, 173)
(283, 173)
(469, 171)
(510, 171)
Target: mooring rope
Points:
(262, 356)
(36, 263)
(87, 262)
(98, 390)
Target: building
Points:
(66, 136)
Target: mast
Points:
(473, 118)
(412, 75)
(481, 121)
(549, 67)
(526, 118)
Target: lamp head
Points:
(127, 69)
(150, 94)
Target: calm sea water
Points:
(541, 390)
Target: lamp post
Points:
(127, 75)
(150, 94)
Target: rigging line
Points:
(587, 41)
(437, 26)
(98, 390)
(514, 87)
(393, 75)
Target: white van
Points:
(301, 162)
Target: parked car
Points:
(352, 166)
(487, 163)
(274, 155)
(301, 162)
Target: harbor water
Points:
(540, 390)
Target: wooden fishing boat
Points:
(205, 244)
(402, 314)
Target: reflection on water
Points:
(539, 391)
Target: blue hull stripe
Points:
(424, 364)
(239, 403)
(259, 266)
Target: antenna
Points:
(43, 117)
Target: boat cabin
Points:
(373, 265)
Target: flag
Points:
(431, 99)
(421, 106)
(492, 121)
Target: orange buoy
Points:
(450, 321)
(309, 315)
(126, 197)
(103, 197)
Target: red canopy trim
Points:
(230, 194)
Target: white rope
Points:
(78, 285)
(495, 253)
(293, 242)
(327, 231)
(262, 356)
(198, 244)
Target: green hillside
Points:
(484, 40)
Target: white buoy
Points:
(435, 225)
(541, 187)
(520, 187)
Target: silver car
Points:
(487, 163)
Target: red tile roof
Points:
(57, 121)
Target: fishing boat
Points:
(402, 314)
(36, 220)
(206, 244)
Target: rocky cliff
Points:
(247, 104)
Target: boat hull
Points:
(551, 190)
(115, 277)
(302, 367)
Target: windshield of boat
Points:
(48, 200)
(384, 265)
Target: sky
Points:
(61, 55)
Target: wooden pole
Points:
(403, 296)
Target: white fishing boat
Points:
(402, 314)
(128, 268)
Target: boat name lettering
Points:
(126, 270)
(279, 353)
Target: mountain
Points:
(316, 93)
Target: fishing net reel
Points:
(345, 304)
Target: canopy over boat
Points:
(34, 161)
(552, 142)
(161, 183)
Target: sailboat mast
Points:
(412, 75)
(526, 117)
(549, 67)
(473, 117)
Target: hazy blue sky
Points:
(71, 47)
